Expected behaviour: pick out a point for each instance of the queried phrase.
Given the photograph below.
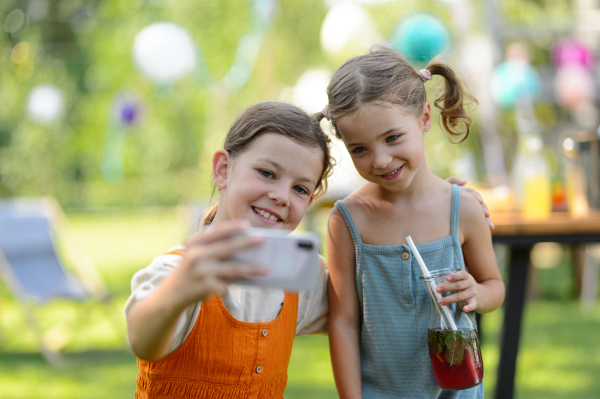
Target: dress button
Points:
(264, 332)
(259, 369)
(405, 255)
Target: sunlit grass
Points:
(559, 353)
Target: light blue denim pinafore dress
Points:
(394, 309)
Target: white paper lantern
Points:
(45, 103)
(310, 92)
(164, 52)
(348, 30)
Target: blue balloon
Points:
(512, 81)
(420, 37)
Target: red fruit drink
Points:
(455, 358)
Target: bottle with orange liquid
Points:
(535, 194)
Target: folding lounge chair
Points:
(30, 265)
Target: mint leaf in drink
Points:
(432, 341)
(455, 347)
(440, 346)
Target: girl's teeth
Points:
(266, 215)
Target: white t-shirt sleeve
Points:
(313, 306)
(146, 280)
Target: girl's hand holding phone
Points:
(205, 269)
(464, 288)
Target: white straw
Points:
(426, 274)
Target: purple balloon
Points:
(128, 113)
(570, 52)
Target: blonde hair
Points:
(385, 75)
(280, 118)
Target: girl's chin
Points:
(394, 185)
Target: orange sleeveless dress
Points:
(224, 358)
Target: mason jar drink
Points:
(455, 354)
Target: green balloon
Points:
(420, 37)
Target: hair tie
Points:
(325, 111)
(425, 75)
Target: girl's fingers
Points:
(456, 297)
(225, 248)
(470, 305)
(231, 269)
(456, 180)
(226, 230)
(456, 286)
(459, 275)
(486, 211)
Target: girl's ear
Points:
(221, 161)
(311, 200)
(426, 117)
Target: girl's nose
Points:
(381, 160)
(281, 195)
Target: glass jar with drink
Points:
(452, 339)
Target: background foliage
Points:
(84, 48)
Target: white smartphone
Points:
(292, 260)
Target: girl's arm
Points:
(202, 272)
(482, 288)
(343, 308)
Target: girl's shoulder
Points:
(470, 208)
(471, 214)
(361, 206)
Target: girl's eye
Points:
(359, 150)
(265, 173)
(301, 190)
(392, 138)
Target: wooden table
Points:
(520, 234)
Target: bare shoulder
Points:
(472, 221)
(337, 228)
(340, 246)
(469, 205)
(362, 206)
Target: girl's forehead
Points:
(374, 114)
(273, 141)
(379, 108)
(285, 153)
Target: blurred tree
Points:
(84, 48)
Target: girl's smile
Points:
(393, 174)
(268, 215)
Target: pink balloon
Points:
(573, 52)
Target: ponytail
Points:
(208, 215)
(319, 116)
(452, 102)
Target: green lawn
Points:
(559, 357)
